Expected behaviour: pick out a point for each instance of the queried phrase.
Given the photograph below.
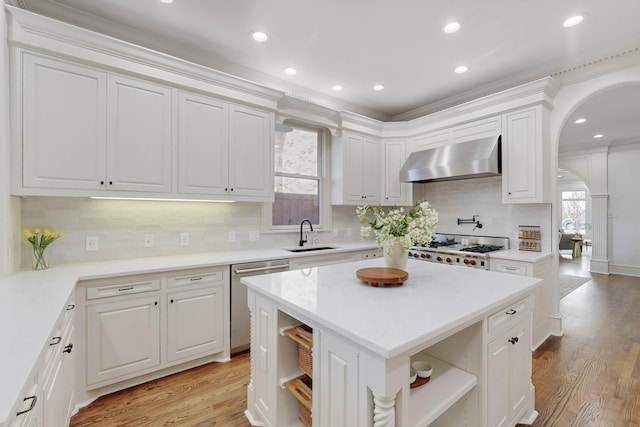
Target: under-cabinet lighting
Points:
(166, 1)
(163, 200)
(598, 136)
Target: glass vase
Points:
(395, 256)
(40, 261)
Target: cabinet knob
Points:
(232, 189)
(71, 307)
(67, 348)
(226, 189)
(513, 340)
(101, 182)
(110, 182)
(55, 340)
(171, 301)
(155, 303)
(511, 312)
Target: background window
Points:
(573, 211)
(298, 177)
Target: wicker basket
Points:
(301, 388)
(303, 335)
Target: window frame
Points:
(324, 185)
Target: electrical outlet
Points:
(254, 236)
(232, 237)
(148, 240)
(184, 239)
(91, 243)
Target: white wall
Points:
(624, 210)
(483, 196)
(122, 224)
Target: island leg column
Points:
(384, 411)
(385, 378)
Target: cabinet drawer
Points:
(190, 278)
(123, 289)
(507, 314)
(520, 269)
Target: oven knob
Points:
(448, 259)
(423, 256)
(466, 261)
(439, 258)
(427, 256)
(416, 255)
(472, 262)
(410, 254)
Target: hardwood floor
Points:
(589, 377)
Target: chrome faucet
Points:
(303, 241)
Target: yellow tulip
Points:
(37, 231)
(27, 233)
(61, 234)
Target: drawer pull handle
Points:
(71, 307)
(513, 340)
(510, 268)
(68, 348)
(193, 279)
(55, 340)
(129, 288)
(511, 312)
(34, 399)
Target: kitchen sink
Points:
(310, 249)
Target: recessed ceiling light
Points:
(461, 69)
(378, 87)
(337, 88)
(573, 21)
(581, 120)
(598, 136)
(451, 27)
(290, 71)
(258, 36)
(167, 1)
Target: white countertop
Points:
(517, 255)
(31, 301)
(389, 321)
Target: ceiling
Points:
(359, 43)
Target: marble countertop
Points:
(389, 321)
(32, 301)
(517, 255)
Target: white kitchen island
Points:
(473, 326)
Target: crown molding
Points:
(39, 33)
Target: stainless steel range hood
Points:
(473, 159)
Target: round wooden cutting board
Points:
(376, 276)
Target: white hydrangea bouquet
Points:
(397, 226)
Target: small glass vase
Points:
(40, 261)
(395, 256)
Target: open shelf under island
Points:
(473, 327)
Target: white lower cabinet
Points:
(123, 338)
(187, 312)
(339, 391)
(47, 397)
(509, 373)
(140, 325)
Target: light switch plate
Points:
(184, 239)
(91, 243)
(148, 240)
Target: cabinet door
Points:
(521, 163)
(339, 371)
(63, 125)
(509, 375)
(371, 170)
(203, 128)
(353, 168)
(251, 136)
(195, 322)
(55, 409)
(123, 339)
(139, 136)
(395, 192)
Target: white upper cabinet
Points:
(525, 163)
(395, 192)
(251, 139)
(225, 150)
(356, 170)
(85, 131)
(138, 136)
(203, 129)
(63, 125)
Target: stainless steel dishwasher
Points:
(240, 320)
